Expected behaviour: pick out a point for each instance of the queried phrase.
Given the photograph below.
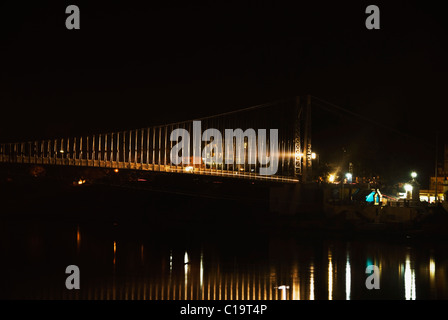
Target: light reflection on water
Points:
(311, 277)
(348, 277)
(409, 280)
(115, 267)
(330, 276)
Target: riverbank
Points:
(166, 203)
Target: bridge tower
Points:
(302, 140)
(297, 143)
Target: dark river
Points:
(118, 262)
(135, 245)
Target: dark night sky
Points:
(131, 66)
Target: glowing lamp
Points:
(349, 176)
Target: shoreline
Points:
(153, 205)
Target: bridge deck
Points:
(143, 166)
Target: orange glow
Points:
(115, 250)
(116, 170)
(330, 276)
(78, 238)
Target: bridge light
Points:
(188, 169)
(116, 170)
(313, 155)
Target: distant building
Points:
(429, 196)
(442, 181)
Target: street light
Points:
(413, 174)
(349, 176)
(408, 187)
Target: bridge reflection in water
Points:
(197, 284)
(278, 269)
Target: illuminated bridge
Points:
(151, 148)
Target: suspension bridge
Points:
(150, 148)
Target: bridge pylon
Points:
(302, 139)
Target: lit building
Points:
(442, 182)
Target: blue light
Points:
(370, 197)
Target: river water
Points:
(133, 260)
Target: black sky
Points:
(132, 66)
